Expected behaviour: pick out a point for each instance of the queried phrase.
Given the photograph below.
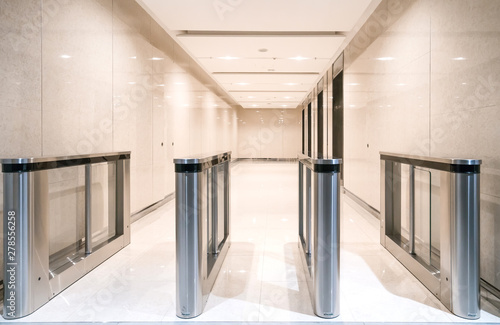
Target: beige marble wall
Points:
(133, 87)
(465, 104)
(20, 77)
(386, 103)
(89, 76)
(161, 109)
(421, 77)
(268, 133)
(77, 78)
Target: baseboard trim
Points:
(491, 289)
(138, 215)
(362, 203)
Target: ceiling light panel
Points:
(270, 105)
(244, 96)
(263, 65)
(324, 15)
(266, 79)
(248, 47)
(266, 87)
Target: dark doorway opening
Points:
(309, 129)
(320, 125)
(338, 118)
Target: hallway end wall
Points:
(269, 133)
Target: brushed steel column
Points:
(189, 189)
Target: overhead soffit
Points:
(260, 47)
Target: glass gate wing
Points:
(63, 216)
(430, 223)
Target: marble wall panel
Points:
(76, 77)
(20, 50)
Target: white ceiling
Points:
(264, 53)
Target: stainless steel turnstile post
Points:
(202, 209)
(29, 279)
(451, 272)
(319, 231)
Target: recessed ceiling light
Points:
(460, 58)
(299, 58)
(227, 57)
(287, 97)
(132, 57)
(251, 96)
(160, 85)
(65, 56)
(131, 82)
(284, 105)
(256, 111)
(385, 58)
(156, 59)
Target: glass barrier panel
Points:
(66, 217)
(405, 205)
(220, 205)
(423, 215)
(103, 203)
(435, 229)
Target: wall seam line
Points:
(41, 79)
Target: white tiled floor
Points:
(262, 277)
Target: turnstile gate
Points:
(319, 231)
(202, 194)
(430, 223)
(62, 217)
